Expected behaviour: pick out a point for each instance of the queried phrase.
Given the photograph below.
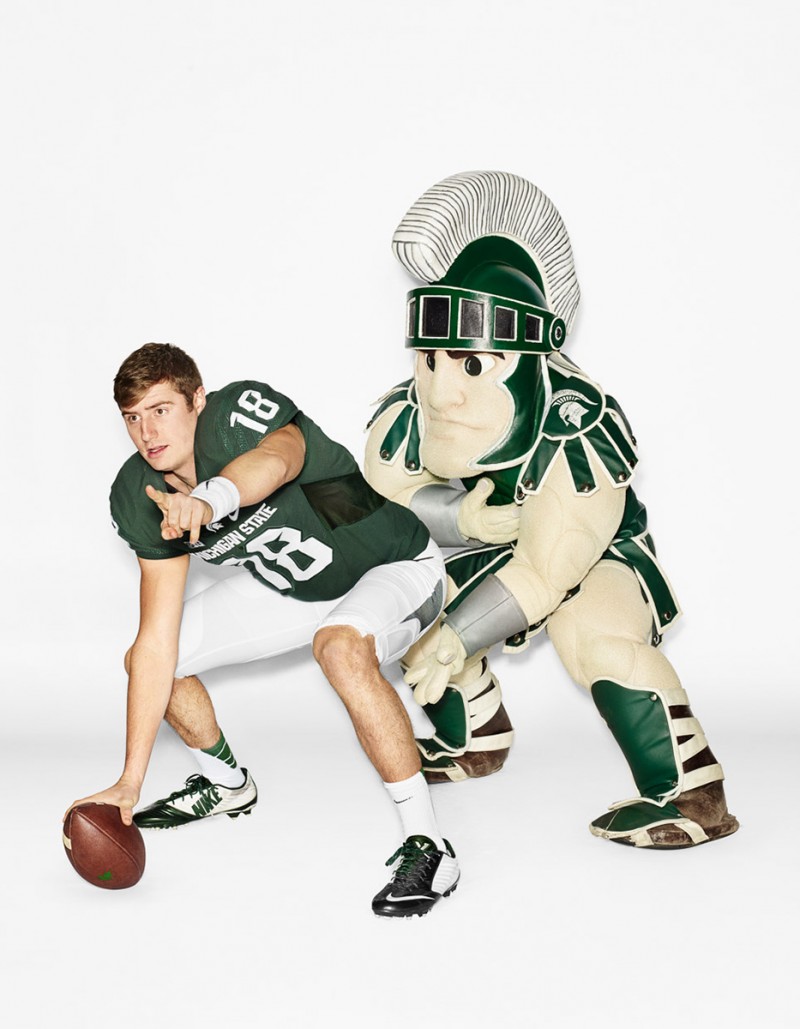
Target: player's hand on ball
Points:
(477, 521)
(430, 676)
(121, 795)
(181, 513)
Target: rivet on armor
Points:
(585, 487)
(653, 696)
(385, 455)
(667, 616)
(411, 465)
(622, 476)
(529, 484)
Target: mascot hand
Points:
(488, 524)
(430, 676)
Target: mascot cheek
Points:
(462, 417)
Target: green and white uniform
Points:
(493, 396)
(604, 431)
(327, 547)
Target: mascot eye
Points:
(430, 360)
(478, 364)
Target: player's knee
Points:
(341, 649)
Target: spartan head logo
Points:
(570, 406)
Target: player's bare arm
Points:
(152, 661)
(275, 460)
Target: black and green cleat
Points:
(422, 876)
(199, 799)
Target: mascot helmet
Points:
(498, 265)
(479, 239)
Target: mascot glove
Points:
(488, 524)
(430, 676)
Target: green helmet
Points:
(498, 263)
(485, 302)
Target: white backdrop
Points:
(227, 177)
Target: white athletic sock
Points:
(412, 799)
(218, 764)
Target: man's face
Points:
(162, 427)
(466, 407)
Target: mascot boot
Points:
(682, 800)
(472, 732)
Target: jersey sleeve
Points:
(238, 416)
(135, 517)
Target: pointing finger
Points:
(196, 522)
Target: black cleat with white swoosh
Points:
(423, 874)
(199, 799)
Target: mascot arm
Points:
(562, 535)
(453, 516)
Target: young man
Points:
(242, 477)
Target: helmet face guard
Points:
(442, 317)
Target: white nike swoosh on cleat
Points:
(420, 896)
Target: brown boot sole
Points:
(672, 837)
(475, 765)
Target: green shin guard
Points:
(681, 800)
(472, 732)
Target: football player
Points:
(241, 477)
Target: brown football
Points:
(102, 849)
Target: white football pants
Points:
(234, 619)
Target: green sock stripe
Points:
(221, 751)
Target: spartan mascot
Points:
(555, 537)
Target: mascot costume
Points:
(551, 534)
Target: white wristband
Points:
(221, 495)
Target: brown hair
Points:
(151, 364)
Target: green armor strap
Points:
(404, 430)
(662, 741)
(461, 711)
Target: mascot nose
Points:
(445, 388)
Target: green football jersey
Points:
(312, 539)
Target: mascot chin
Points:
(512, 455)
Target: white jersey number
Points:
(263, 409)
(317, 555)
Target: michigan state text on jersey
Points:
(312, 539)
